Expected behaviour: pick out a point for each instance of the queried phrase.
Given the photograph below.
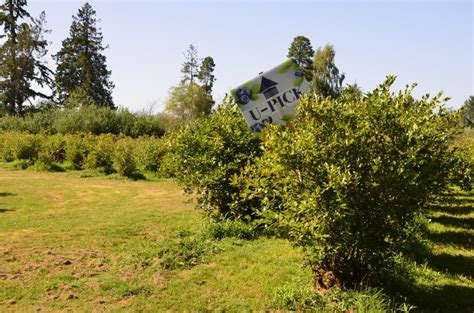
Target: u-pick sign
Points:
(272, 96)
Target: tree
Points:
(327, 81)
(188, 101)
(80, 62)
(206, 74)
(302, 52)
(190, 67)
(468, 112)
(21, 54)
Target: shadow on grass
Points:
(6, 194)
(458, 209)
(459, 239)
(447, 298)
(137, 176)
(449, 292)
(3, 210)
(467, 223)
(437, 295)
(453, 264)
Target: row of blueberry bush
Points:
(106, 153)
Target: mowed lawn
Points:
(68, 242)
(91, 244)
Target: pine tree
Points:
(21, 54)
(190, 67)
(206, 74)
(327, 81)
(302, 52)
(468, 112)
(80, 62)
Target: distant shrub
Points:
(52, 150)
(25, 146)
(139, 124)
(88, 119)
(101, 151)
(76, 149)
(33, 122)
(150, 154)
(123, 157)
(6, 147)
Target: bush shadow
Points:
(467, 223)
(453, 264)
(458, 209)
(458, 239)
(6, 194)
(448, 298)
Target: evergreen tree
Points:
(327, 81)
(206, 74)
(80, 62)
(21, 54)
(190, 67)
(468, 112)
(302, 52)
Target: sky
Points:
(425, 42)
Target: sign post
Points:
(272, 96)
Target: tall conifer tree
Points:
(206, 74)
(302, 52)
(190, 67)
(21, 56)
(81, 66)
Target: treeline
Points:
(89, 119)
(81, 77)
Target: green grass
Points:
(94, 243)
(68, 242)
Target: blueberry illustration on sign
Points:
(243, 95)
(268, 87)
(299, 73)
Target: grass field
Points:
(91, 244)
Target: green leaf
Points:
(255, 89)
(255, 97)
(285, 67)
(287, 117)
(298, 81)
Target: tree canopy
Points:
(302, 52)
(327, 80)
(80, 62)
(21, 54)
(188, 101)
(206, 74)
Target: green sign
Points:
(272, 96)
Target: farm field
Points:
(80, 243)
(91, 244)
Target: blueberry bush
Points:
(348, 179)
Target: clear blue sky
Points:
(427, 42)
